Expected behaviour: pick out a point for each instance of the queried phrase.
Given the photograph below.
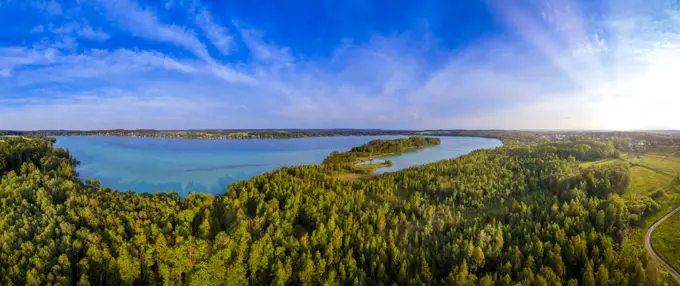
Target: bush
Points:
(658, 194)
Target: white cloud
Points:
(50, 66)
(565, 72)
(82, 30)
(595, 46)
(217, 34)
(65, 43)
(263, 51)
(165, 104)
(169, 4)
(97, 35)
(51, 7)
(232, 76)
(12, 57)
(37, 29)
(143, 23)
(620, 70)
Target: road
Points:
(648, 245)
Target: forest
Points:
(380, 147)
(519, 214)
(582, 150)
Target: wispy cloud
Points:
(97, 35)
(75, 28)
(142, 22)
(51, 7)
(37, 29)
(115, 109)
(217, 34)
(13, 57)
(557, 64)
(51, 66)
(595, 46)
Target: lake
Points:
(150, 165)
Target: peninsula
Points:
(545, 211)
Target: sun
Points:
(646, 98)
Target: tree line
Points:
(507, 136)
(220, 134)
(524, 214)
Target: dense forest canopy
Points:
(582, 150)
(381, 146)
(516, 214)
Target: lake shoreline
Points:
(215, 134)
(151, 165)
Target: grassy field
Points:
(644, 181)
(362, 171)
(348, 176)
(653, 171)
(597, 163)
(656, 170)
(666, 240)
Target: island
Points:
(560, 210)
(380, 147)
(357, 162)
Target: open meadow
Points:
(666, 240)
(655, 174)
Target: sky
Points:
(472, 64)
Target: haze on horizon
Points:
(183, 64)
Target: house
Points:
(638, 146)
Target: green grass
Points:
(645, 181)
(651, 171)
(656, 170)
(360, 172)
(668, 166)
(348, 176)
(664, 150)
(666, 240)
(597, 163)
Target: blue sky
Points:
(177, 64)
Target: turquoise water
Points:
(150, 165)
(450, 147)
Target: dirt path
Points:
(648, 245)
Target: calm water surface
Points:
(185, 165)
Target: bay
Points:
(151, 165)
